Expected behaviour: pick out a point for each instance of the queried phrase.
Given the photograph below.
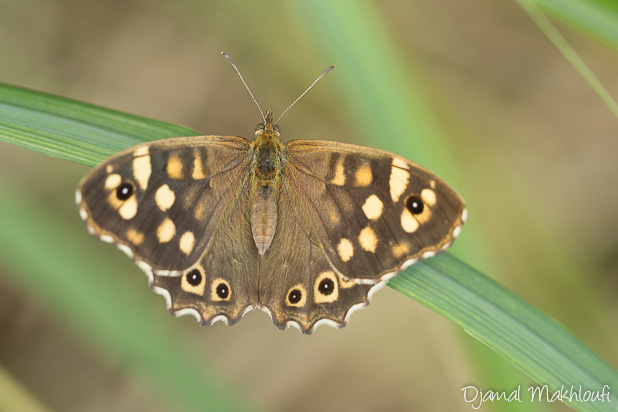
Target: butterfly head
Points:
(269, 128)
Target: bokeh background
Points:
(492, 107)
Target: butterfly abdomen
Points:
(264, 217)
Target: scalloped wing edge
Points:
(147, 269)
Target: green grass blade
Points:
(59, 270)
(597, 19)
(72, 130)
(526, 337)
(571, 55)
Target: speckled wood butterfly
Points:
(306, 230)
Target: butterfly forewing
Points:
(371, 211)
(162, 202)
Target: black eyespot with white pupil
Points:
(295, 296)
(194, 278)
(222, 291)
(124, 191)
(326, 286)
(415, 205)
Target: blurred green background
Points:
(473, 91)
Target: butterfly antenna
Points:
(229, 59)
(305, 92)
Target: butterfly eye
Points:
(276, 128)
(259, 127)
(415, 205)
(124, 191)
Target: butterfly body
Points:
(304, 230)
(267, 161)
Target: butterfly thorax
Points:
(267, 161)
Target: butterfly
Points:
(305, 230)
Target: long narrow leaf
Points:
(529, 339)
(593, 18)
(52, 267)
(526, 337)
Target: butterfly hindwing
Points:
(223, 284)
(297, 283)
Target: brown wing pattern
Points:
(350, 217)
(178, 207)
(223, 285)
(297, 284)
(151, 200)
(372, 211)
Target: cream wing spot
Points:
(187, 241)
(373, 207)
(345, 249)
(400, 163)
(399, 179)
(128, 210)
(363, 176)
(135, 237)
(198, 169)
(141, 166)
(401, 250)
(164, 197)
(368, 239)
(408, 222)
(199, 211)
(174, 167)
(141, 151)
(112, 181)
(339, 178)
(333, 215)
(429, 197)
(423, 217)
(166, 230)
